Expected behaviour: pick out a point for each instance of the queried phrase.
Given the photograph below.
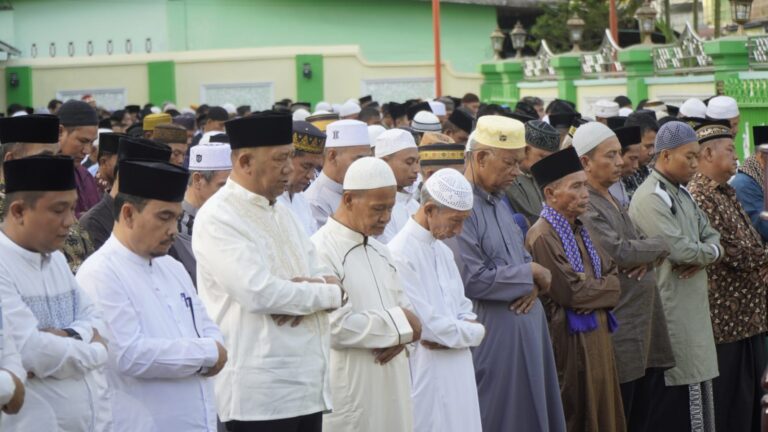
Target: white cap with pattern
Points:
(449, 188)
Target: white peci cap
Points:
(369, 173)
(347, 133)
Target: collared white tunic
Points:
(367, 396)
(324, 196)
(160, 337)
(247, 253)
(443, 381)
(299, 206)
(69, 390)
(405, 207)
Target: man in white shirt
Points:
(398, 149)
(308, 145)
(369, 372)
(442, 375)
(257, 272)
(51, 319)
(347, 141)
(209, 168)
(12, 373)
(163, 344)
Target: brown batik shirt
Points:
(737, 294)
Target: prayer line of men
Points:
(317, 338)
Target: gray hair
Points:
(426, 197)
(207, 175)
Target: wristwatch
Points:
(71, 333)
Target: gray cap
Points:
(77, 113)
(542, 135)
(673, 135)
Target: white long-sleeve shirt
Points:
(367, 396)
(300, 208)
(69, 390)
(247, 253)
(10, 361)
(160, 338)
(405, 207)
(324, 197)
(443, 381)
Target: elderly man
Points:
(99, 220)
(209, 168)
(725, 108)
(51, 319)
(152, 121)
(39, 135)
(630, 140)
(165, 346)
(398, 149)
(663, 207)
(524, 195)
(737, 285)
(749, 182)
(517, 388)
(437, 151)
(79, 129)
(256, 272)
(584, 289)
(308, 145)
(370, 379)
(175, 137)
(443, 383)
(347, 141)
(641, 343)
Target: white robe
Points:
(10, 362)
(247, 253)
(324, 196)
(69, 390)
(299, 206)
(405, 207)
(444, 388)
(154, 346)
(367, 396)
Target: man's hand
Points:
(14, 405)
(524, 304)
(687, 271)
(284, 319)
(97, 338)
(583, 311)
(542, 277)
(637, 272)
(433, 345)
(332, 280)
(215, 369)
(384, 355)
(413, 320)
(55, 331)
(306, 279)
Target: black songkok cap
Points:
(628, 135)
(109, 142)
(523, 118)
(75, 113)
(616, 122)
(220, 138)
(673, 110)
(144, 149)
(153, 180)
(416, 108)
(563, 120)
(462, 119)
(39, 174)
(37, 129)
(133, 109)
(527, 109)
(218, 113)
(265, 129)
(556, 166)
(397, 110)
(365, 99)
(308, 138)
(759, 135)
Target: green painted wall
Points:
(309, 89)
(23, 93)
(162, 82)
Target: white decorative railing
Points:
(686, 55)
(539, 67)
(604, 61)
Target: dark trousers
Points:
(307, 423)
(639, 399)
(674, 409)
(737, 390)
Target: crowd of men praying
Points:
(432, 266)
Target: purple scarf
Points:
(577, 323)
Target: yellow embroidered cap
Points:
(500, 132)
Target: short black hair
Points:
(53, 104)
(121, 199)
(470, 98)
(29, 198)
(368, 113)
(645, 119)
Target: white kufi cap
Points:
(590, 135)
(605, 108)
(369, 173)
(210, 157)
(393, 141)
(347, 133)
(425, 121)
(693, 107)
(449, 187)
(722, 108)
(300, 114)
(374, 131)
(323, 106)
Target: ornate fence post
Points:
(568, 68)
(500, 81)
(638, 63)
